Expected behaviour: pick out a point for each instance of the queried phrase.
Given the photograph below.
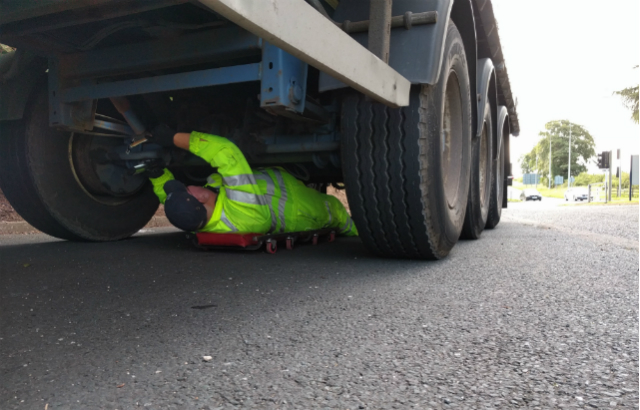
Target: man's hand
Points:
(163, 135)
(155, 168)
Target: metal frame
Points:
(72, 102)
(292, 22)
(415, 49)
(208, 46)
(74, 79)
(78, 115)
(74, 107)
(299, 29)
(169, 82)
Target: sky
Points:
(565, 58)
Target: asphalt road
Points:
(541, 312)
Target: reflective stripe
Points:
(329, 210)
(236, 180)
(245, 197)
(265, 176)
(271, 189)
(283, 198)
(346, 225)
(227, 222)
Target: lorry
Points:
(405, 103)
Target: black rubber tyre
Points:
(38, 178)
(497, 190)
(407, 170)
(481, 181)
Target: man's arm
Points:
(219, 152)
(181, 140)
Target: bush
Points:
(585, 179)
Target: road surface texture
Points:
(541, 312)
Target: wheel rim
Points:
(91, 179)
(452, 140)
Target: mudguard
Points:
(503, 115)
(415, 53)
(484, 74)
(23, 73)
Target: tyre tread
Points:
(19, 187)
(392, 176)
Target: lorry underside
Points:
(375, 96)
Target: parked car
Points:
(530, 195)
(576, 194)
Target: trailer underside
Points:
(278, 91)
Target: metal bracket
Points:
(284, 80)
(299, 29)
(76, 115)
(380, 28)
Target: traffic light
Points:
(603, 160)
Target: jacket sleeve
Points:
(220, 153)
(158, 184)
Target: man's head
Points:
(189, 208)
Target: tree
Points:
(582, 150)
(630, 100)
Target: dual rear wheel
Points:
(416, 178)
(481, 182)
(407, 170)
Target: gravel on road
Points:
(528, 316)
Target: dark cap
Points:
(183, 210)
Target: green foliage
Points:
(557, 132)
(584, 179)
(625, 181)
(630, 100)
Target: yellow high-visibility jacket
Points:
(268, 200)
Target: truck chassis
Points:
(407, 103)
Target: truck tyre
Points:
(480, 184)
(407, 170)
(497, 190)
(48, 178)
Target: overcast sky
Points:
(565, 59)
